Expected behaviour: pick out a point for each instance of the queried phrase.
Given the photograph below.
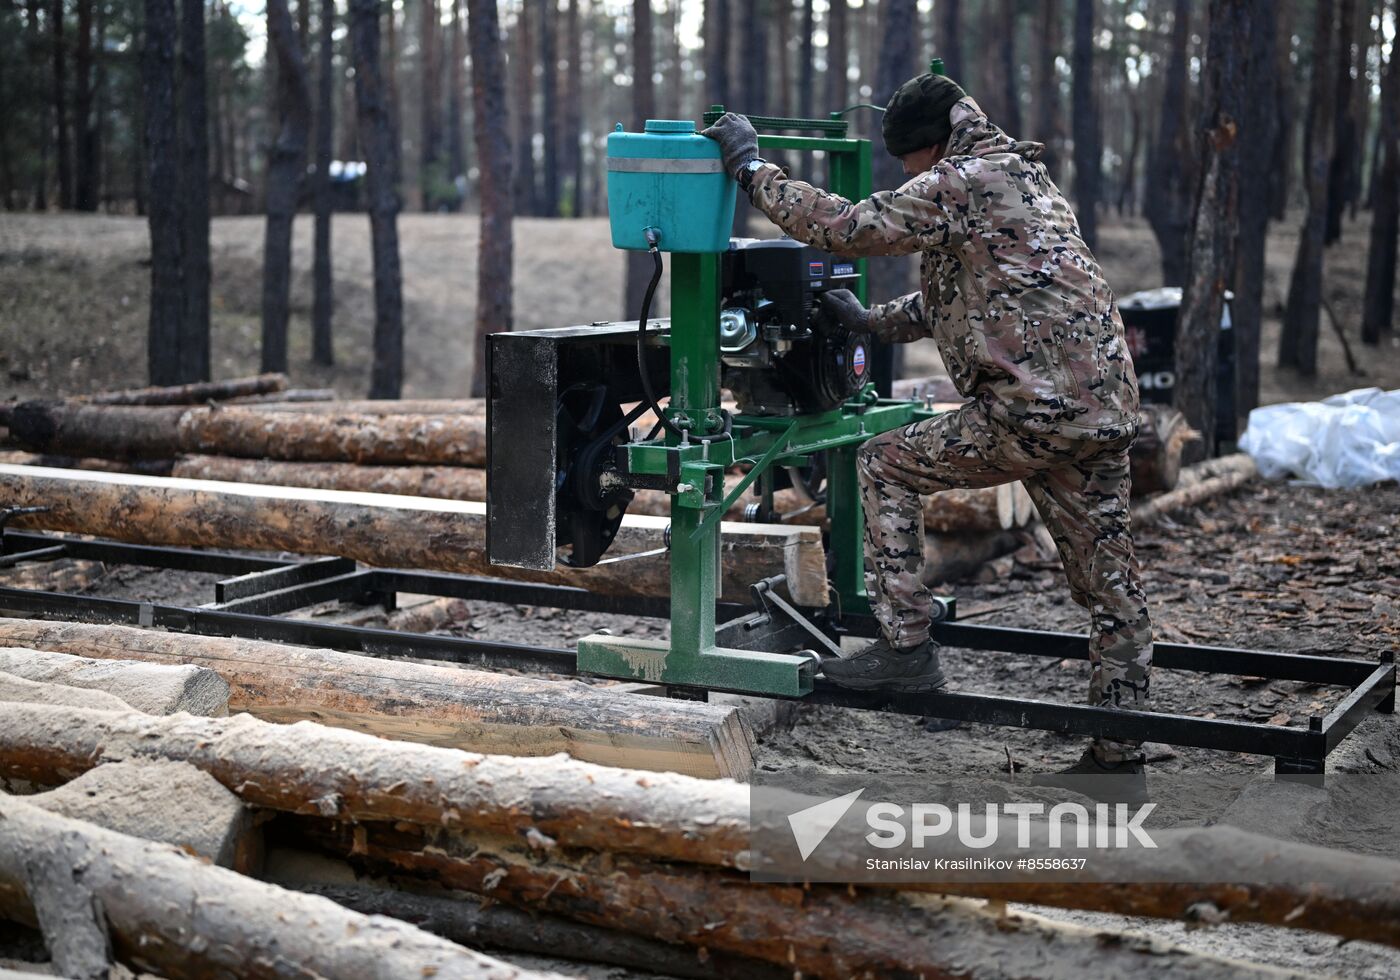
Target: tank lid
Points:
(670, 126)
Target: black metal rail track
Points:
(247, 605)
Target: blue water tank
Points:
(672, 179)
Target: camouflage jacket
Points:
(1010, 293)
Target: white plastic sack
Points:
(1348, 440)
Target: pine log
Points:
(18, 689)
(448, 706)
(191, 394)
(346, 437)
(63, 428)
(147, 467)
(169, 802)
(950, 557)
(156, 689)
(289, 396)
(1155, 457)
(564, 804)
(172, 914)
(813, 930)
(383, 406)
(477, 923)
(1211, 478)
(381, 529)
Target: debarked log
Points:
(382, 530)
(1197, 484)
(438, 705)
(169, 913)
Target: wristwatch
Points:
(747, 172)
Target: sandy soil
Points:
(73, 307)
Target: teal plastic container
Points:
(670, 178)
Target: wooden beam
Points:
(381, 529)
(448, 706)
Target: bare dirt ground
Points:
(73, 299)
(1271, 567)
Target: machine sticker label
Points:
(843, 269)
(816, 269)
(858, 360)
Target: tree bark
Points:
(549, 121)
(1214, 230)
(523, 56)
(1344, 123)
(389, 532)
(1378, 307)
(43, 134)
(165, 364)
(378, 138)
(430, 103)
(1285, 101)
(322, 296)
(717, 52)
(168, 925)
(1171, 162)
(286, 167)
(949, 38)
(1010, 69)
(192, 394)
(1258, 127)
(194, 195)
(1298, 338)
(495, 246)
(1088, 180)
(571, 135)
(60, 97)
(838, 55)
(1049, 127)
(85, 186)
(1226, 474)
(891, 276)
(456, 110)
(451, 707)
(639, 265)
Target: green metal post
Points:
(695, 392)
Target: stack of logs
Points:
(255, 431)
(158, 833)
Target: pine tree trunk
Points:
(1285, 110)
(1171, 163)
(456, 111)
(322, 297)
(495, 245)
(523, 62)
(1379, 302)
(285, 168)
(60, 105)
(430, 104)
(1344, 123)
(167, 289)
(1298, 338)
(838, 55)
(1088, 180)
(194, 194)
(549, 59)
(950, 38)
(891, 276)
(782, 38)
(1214, 231)
(1258, 128)
(1011, 70)
(572, 133)
(389, 72)
(1361, 100)
(85, 171)
(1049, 122)
(717, 52)
(378, 138)
(639, 265)
(42, 134)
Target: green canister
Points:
(669, 178)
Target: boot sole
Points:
(923, 684)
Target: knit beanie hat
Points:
(917, 115)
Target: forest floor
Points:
(73, 299)
(1270, 567)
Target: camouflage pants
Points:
(1080, 487)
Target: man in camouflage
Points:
(1030, 334)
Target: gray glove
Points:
(846, 310)
(738, 142)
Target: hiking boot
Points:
(1107, 782)
(880, 667)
